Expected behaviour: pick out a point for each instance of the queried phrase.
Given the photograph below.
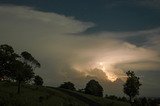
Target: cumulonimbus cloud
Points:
(65, 56)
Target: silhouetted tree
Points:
(113, 97)
(25, 67)
(38, 80)
(22, 73)
(153, 102)
(106, 96)
(144, 102)
(131, 87)
(124, 99)
(68, 85)
(7, 58)
(137, 102)
(94, 88)
(16, 67)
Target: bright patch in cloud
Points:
(65, 56)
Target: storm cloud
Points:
(68, 54)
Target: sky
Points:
(80, 40)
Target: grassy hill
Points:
(47, 96)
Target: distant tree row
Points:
(92, 88)
(131, 88)
(143, 101)
(19, 68)
(113, 97)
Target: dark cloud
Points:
(110, 15)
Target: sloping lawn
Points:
(100, 100)
(35, 96)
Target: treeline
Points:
(92, 88)
(18, 68)
(142, 101)
(130, 88)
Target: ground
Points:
(49, 96)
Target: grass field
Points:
(100, 100)
(46, 96)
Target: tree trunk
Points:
(130, 100)
(19, 85)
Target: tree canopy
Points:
(94, 88)
(38, 80)
(27, 57)
(7, 58)
(16, 67)
(131, 87)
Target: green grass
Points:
(46, 96)
(33, 96)
(103, 101)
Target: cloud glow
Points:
(67, 56)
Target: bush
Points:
(67, 85)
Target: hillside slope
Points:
(47, 96)
(93, 100)
(33, 96)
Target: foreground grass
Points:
(101, 101)
(105, 101)
(35, 96)
(48, 96)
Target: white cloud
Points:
(63, 55)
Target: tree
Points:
(16, 67)
(67, 85)
(24, 68)
(94, 88)
(144, 101)
(22, 73)
(131, 87)
(113, 97)
(124, 99)
(7, 58)
(38, 80)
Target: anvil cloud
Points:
(68, 54)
